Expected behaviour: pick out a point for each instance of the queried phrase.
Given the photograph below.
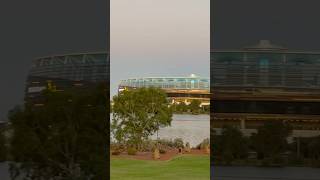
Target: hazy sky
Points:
(159, 38)
(37, 28)
(291, 23)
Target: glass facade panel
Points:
(267, 107)
(86, 67)
(227, 68)
(168, 83)
(265, 69)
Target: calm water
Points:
(191, 128)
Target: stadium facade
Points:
(263, 83)
(73, 71)
(178, 89)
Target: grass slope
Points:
(184, 168)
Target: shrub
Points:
(116, 153)
(188, 144)
(165, 142)
(132, 151)
(148, 145)
(204, 143)
(162, 151)
(178, 143)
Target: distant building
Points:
(178, 89)
(74, 71)
(263, 83)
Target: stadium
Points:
(73, 71)
(178, 89)
(266, 82)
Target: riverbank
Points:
(169, 155)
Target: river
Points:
(190, 128)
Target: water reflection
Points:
(191, 128)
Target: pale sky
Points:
(159, 38)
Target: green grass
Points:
(184, 168)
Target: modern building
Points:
(178, 89)
(263, 83)
(62, 72)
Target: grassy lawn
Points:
(184, 168)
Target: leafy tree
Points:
(206, 108)
(110, 107)
(181, 107)
(195, 106)
(230, 145)
(66, 138)
(178, 143)
(139, 113)
(271, 139)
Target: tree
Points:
(206, 108)
(271, 139)
(181, 107)
(137, 114)
(230, 145)
(66, 138)
(195, 106)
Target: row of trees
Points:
(270, 146)
(194, 107)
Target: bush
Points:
(116, 153)
(132, 151)
(116, 149)
(203, 144)
(187, 144)
(162, 151)
(148, 145)
(165, 142)
(178, 143)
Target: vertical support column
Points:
(283, 69)
(298, 147)
(243, 124)
(245, 80)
